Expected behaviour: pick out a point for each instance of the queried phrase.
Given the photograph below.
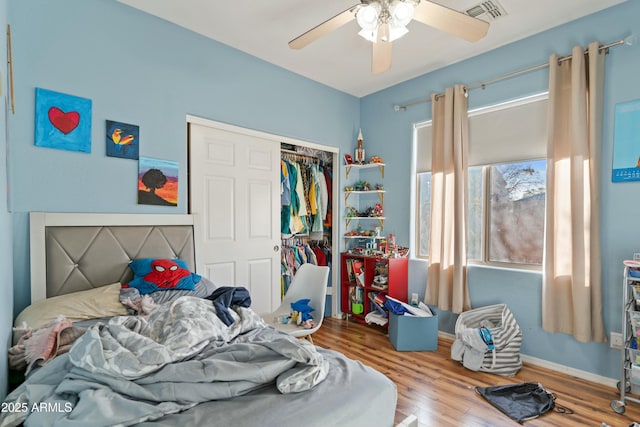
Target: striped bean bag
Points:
(506, 334)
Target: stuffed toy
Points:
(300, 313)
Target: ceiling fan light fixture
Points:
(368, 15)
(401, 12)
(396, 32)
(370, 35)
(388, 20)
(382, 21)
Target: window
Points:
(516, 212)
(507, 184)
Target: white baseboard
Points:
(599, 379)
(578, 373)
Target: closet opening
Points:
(307, 206)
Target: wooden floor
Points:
(440, 392)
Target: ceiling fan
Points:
(382, 21)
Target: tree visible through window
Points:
(516, 212)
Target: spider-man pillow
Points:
(155, 274)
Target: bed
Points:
(174, 363)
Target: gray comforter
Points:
(133, 369)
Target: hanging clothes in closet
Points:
(305, 197)
(296, 252)
(328, 177)
(305, 220)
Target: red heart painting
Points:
(64, 122)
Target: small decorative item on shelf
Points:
(391, 243)
(359, 153)
(402, 251)
(352, 212)
(375, 159)
(379, 187)
(362, 186)
(376, 210)
(348, 160)
(380, 282)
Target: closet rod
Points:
(627, 40)
(296, 155)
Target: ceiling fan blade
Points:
(450, 21)
(381, 51)
(326, 27)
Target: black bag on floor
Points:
(520, 402)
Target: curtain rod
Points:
(627, 40)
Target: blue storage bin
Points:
(412, 333)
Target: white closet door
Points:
(235, 198)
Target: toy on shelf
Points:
(359, 153)
(376, 210)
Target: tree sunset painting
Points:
(157, 182)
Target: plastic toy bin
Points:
(413, 333)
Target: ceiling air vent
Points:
(487, 10)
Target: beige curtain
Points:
(572, 288)
(447, 271)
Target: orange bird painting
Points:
(122, 140)
(126, 140)
(115, 136)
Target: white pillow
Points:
(91, 304)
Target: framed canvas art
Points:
(62, 121)
(123, 140)
(157, 182)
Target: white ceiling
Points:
(342, 59)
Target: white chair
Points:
(309, 282)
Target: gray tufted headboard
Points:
(71, 252)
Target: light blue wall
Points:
(6, 266)
(142, 70)
(139, 69)
(389, 133)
